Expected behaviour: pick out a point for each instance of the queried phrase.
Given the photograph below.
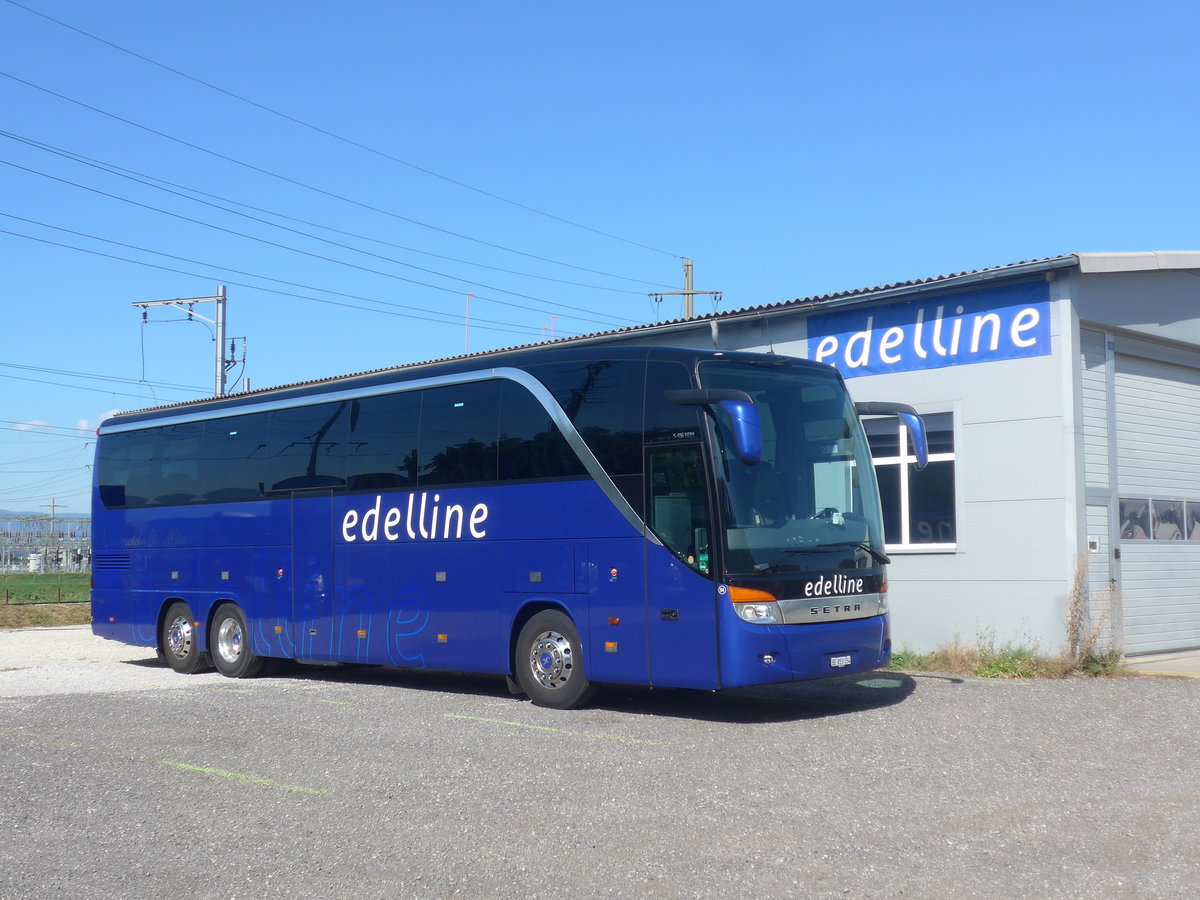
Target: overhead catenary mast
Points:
(185, 304)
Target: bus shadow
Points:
(750, 705)
(764, 704)
(760, 704)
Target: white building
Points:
(1063, 400)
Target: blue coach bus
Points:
(560, 516)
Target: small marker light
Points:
(614, 620)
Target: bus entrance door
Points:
(680, 610)
(312, 575)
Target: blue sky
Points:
(556, 157)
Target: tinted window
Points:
(459, 426)
(125, 468)
(306, 447)
(667, 421)
(931, 504)
(381, 448)
(177, 462)
(889, 496)
(603, 398)
(232, 452)
(531, 446)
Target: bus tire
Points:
(229, 641)
(549, 662)
(177, 641)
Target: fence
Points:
(28, 589)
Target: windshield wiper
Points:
(823, 548)
(863, 545)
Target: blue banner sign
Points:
(1011, 322)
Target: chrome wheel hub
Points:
(229, 640)
(179, 638)
(551, 659)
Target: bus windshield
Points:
(811, 503)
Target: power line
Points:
(210, 277)
(23, 426)
(338, 137)
(447, 321)
(314, 189)
(277, 245)
(114, 169)
(95, 377)
(41, 456)
(76, 387)
(136, 180)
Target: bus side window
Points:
(381, 445)
(531, 446)
(677, 507)
(231, 458)
(306, 448)
(125, 469)
(459, 428)
(177, 451)
(604, 399)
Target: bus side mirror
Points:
(911, 419)
(747, 427)
(747, 430)
(916, 432)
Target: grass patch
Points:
(55, 587)
(985, 660)
(34, 615)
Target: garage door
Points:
(1158, 477)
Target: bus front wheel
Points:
(177, 642)
(230, 643)
(549, 662)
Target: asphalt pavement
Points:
(120, 778)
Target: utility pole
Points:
(223, 365)
(53, 505)
(687, 293)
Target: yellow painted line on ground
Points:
(547, 728)
(334, 702)
(237, 776)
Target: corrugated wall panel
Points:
(1158, 457)
(1094, 358)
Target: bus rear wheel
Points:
(549, 662)
(230, 644)
(177, 642)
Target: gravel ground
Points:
(122, 779)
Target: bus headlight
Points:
(755, 605)
(759, 613)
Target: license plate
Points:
(839, 662)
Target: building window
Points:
(918, 506)
(1159, 520)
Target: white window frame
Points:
(902, 462)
